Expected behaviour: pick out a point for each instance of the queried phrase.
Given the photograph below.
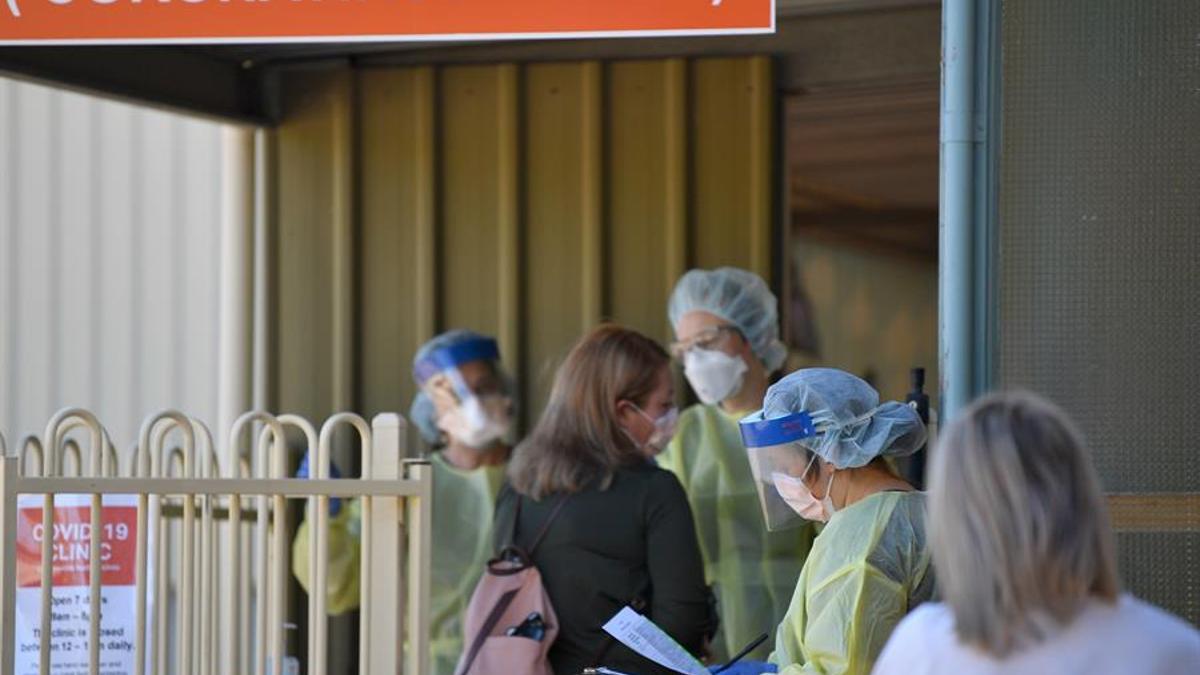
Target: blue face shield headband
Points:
(450, 358)
(764, 433)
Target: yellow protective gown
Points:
(345, 556)
(463, 504)
(753, 571)
(867, 569)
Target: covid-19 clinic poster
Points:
(70, 605)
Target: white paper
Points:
(641, 635)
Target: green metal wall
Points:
(529, 201)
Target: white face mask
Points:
(477, 423)
(713, 374)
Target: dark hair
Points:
(577, 440)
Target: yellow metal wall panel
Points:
(562, 249)
(396, 270)
(647, 186)
(524, 201)
(305, 274)
(730, 139)
(342, 236)
(313, 275)
(478, 255)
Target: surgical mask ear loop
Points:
(629, 434)
(827, 501)
(808, 467)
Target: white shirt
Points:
(1129, 637)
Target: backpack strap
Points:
(512, 559)
(537, 540)
(493, 617)
(512, 533)
(489, 625)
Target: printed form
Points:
(641, 635)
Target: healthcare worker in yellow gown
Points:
(463, 410)
(817, 450)
(726, 331)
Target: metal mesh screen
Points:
(1142, 558)
(1099, 247)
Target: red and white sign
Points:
(70, 599)
(198, 21)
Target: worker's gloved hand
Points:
(746, 668)
(335, 503)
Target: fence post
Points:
(382, 582)
(419, 521)
(9, 472)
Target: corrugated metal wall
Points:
(529, 201)
(1099, 249)
(109, 241)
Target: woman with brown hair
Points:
(622, 531)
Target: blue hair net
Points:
(852, 426)
(739, 297)
(422, 413)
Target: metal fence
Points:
(228, 567)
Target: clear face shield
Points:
(468, 391)
(777, 459)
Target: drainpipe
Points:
(970, 59)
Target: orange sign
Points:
(42, 22)
(71, 546)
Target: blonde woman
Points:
(1025, 562)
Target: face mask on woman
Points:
(713, 374)
(477, 422)
(798, 496)
(664, 430)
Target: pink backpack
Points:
(510, 623)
